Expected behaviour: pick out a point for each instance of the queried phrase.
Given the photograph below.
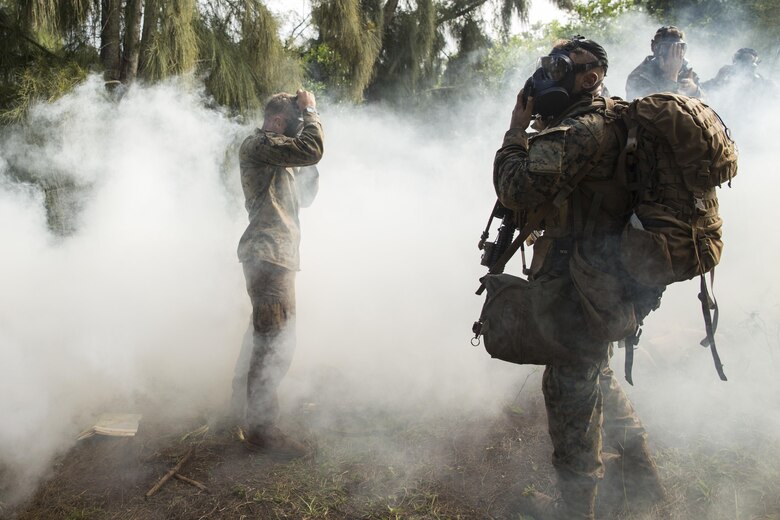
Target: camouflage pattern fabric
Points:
(530, 170)
(752, 87)
(648, 79)
(268, 250)
(622, 428)
(267, 160)
(266, 356)
(581, 397)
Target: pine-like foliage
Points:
(232, 44)
(171, 45)
(242, 56)
(352, 32)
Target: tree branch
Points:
(28, 39)
(447, 17)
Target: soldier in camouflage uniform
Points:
(585, 404)
(743, 78)
(666, 70)
(275, 188)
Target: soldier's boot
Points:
(577, 502)
(579, 498)
(536, 505)
(272, 440)
(642, 473)
(633, 478)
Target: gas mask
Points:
(747, 63)
(552, 84)
(662, 47)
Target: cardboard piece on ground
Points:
(113, 425)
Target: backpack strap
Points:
(585, 228)
(630, 343)
(710, 321)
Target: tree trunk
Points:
(389, 13)
(132, 40)
(151, 8)
(109, 39)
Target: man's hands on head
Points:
(522, 114)
(305, 99)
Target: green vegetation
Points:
(375, 50)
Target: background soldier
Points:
(582, 396)
(666, 70)
(268, 250)
(741, 75)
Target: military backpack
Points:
(676, 151)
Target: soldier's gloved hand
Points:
(305, 99)
(521, 115)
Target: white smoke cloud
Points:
(145, 301)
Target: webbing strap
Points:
(577, 225)
(590, 221)
(626, 159)
(630, 343)
(536, 217)
(710, 323)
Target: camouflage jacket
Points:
(648, 79)
(741, 80)
(268, 176)
(530, 170)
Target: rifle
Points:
(492, 251)
(496, 254)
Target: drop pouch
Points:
(537, 322)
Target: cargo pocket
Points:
(609, 315)
(644, 248)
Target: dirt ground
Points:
(367, 465)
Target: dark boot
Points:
(579, 498)
(640, 469)
(632, 479)
(272, 440)
(535, 504)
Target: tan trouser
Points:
(265, 359)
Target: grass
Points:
(382, 467)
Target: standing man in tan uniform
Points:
(276, 187)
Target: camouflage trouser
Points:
(268, 349)
(582, 400)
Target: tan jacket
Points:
(269, 171)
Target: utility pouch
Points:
(609, 314)
(658, 248)
(535, 323)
